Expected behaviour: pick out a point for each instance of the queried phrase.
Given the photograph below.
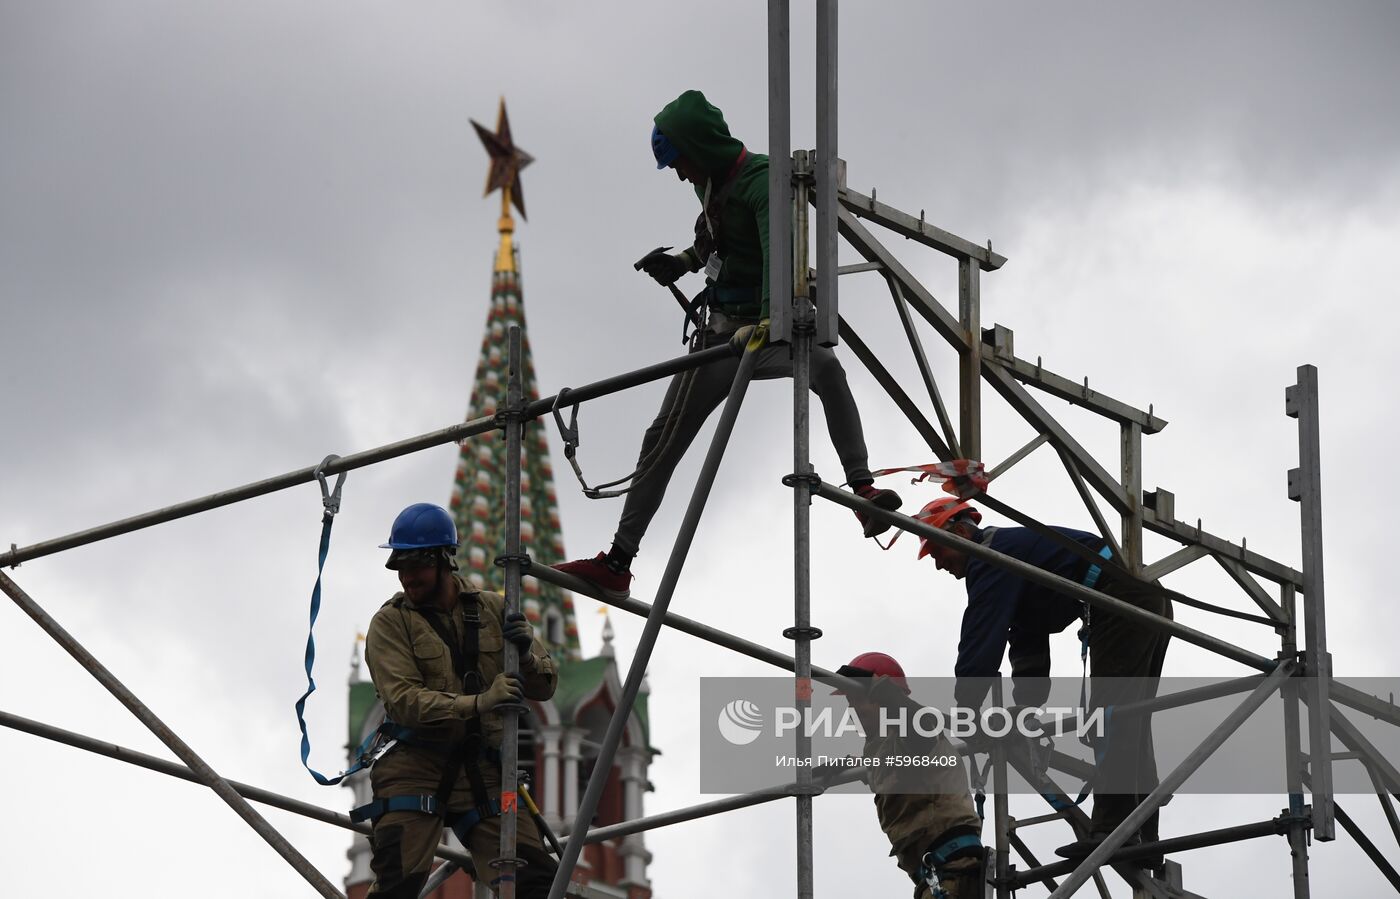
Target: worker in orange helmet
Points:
(925, 810)
(1007, 614)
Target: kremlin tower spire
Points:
(478, 495)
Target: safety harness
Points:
(932, 869)
(569, 434)
(697, 313)
(465, 754)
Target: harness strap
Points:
(570, 436)
(330, 501)
(1091, 577)
(465, 657)
(979, 785)
(960, 846)
(372, 811)
(932, 867)
(428, 805)
(464, 822)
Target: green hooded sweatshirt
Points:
(698, 131)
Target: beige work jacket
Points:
(413, 674)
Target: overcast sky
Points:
(237, 237)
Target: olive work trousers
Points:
(694, 394)
(1125, 660)
(403, 844)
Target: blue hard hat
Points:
(422, 526)
(661, 147)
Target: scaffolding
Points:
(1299, 666)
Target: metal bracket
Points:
(505, 559)
(1162, 502)
(508, 414)
(1287, 818)
(802, 633)
(812, 479)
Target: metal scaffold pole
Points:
(825, 169)
(182, 750)
(513, 562)
(450, 434)
(1293, 762)
(1001, 810)
(779, 164)
(1305, 487)
(1175, 779)
(801, 632)
(161, 766)
(588, 806)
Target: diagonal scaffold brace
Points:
(206, 775)
(588, 806)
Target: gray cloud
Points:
(233, 240)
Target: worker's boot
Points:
(611, 579)
(1080, 849)
(885, 499)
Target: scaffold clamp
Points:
(505, 559)
(811, 479)
(802, 633)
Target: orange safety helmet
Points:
(941, 511)
(874, 664)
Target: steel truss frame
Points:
(985, 355)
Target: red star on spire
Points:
(506, 159)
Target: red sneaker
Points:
(596, 571)
(885, 499)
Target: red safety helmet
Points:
(874, 664)
(941, 511)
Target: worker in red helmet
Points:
(1007, 615)
(925, 810)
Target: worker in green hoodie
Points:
(731, 246)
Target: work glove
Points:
(505, 688)
(664, 267)
(518, 631)
(757, 335)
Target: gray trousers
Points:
(700, 392)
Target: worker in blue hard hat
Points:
(435, 654)
(691, 137)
